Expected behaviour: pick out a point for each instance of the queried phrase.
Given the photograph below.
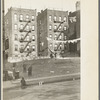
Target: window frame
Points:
(33, 17)
(55, 18)
(15, 26)
(33, 29)
(16, 37)
(32, 37)
(60, 18)
(21, 17)
(65, 18)
(15, 16)
(50, 27)
(50, 18)
(33, 49)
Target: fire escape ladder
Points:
(26, 45)
(26, 35)
(22, 40)
(28, 53)
(58, 35)
(51, 51)
(58, 25)
(58, 46)
(25, 25)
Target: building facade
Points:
(21, 33)
(74, 29)
(52, 26)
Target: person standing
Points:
(23, 83)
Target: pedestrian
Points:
(23, 83)
(51, 56)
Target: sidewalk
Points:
(42, 80)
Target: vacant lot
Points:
(47, 67)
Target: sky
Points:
(66, 5)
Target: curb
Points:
(47, 80)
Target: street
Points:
(68, 90)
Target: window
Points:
(33, 47)
(55, 36)
(28, 48)
(64, 18)
(27, 17)
(55, 18)
(16, 37)
(50, 27)
(65, 37)
(74, 19)
(60, 46)
(50, 44)
(55, 27)
(15, 26)
(27, 27)
(50, 18)
(33, 18)
(65, 28)
(59, 18)
(28, 38)
(55, 46)
(22, 46)
(16, 47)
(33, 28)
(60, 37)
(15, 17)
(21, 26)
(22, 36)
(33, 38)
(21, 17)
(50, 36)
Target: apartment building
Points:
(52, 26)
(21, 32)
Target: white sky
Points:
(66, 5)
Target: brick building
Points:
(21, 33)
(74, 29)
(52, 25)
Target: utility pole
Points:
(3, 33)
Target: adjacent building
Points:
(74, 29)
(52, 26)
(21, 33)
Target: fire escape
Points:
(60, 34)
(24, 38)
